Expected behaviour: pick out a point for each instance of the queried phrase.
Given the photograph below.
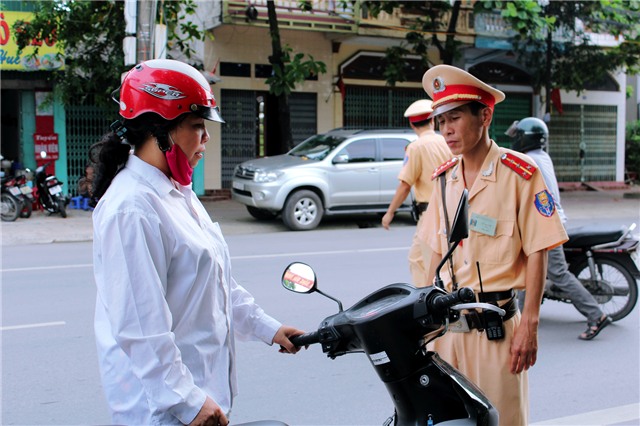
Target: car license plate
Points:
(54, 190)
(14, 191)
(238, 185)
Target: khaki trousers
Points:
(419, 257)
(486, 363)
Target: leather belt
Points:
(422, 206)
(496, 296)
(475, 319)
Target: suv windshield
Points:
(317, 147)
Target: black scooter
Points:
(393, 326)
(50, 193)
(605, 260)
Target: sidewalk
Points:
(234, 219)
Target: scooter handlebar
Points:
(445, 301)
(306, 339)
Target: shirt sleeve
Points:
(410, 169)
(133, 292)
(538, 219)
(250, 321)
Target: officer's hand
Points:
(210, 415)
(524, 346)
(386, 220)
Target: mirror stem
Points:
(332, 298)
(438, 281)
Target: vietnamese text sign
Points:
(47, 143)
(11, 59)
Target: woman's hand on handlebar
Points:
(282, 338)
(210, 414)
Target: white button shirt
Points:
(167, 308)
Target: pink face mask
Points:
(179, 165)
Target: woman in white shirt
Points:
(168, 310)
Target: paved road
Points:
(604, 207)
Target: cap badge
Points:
(438, 85)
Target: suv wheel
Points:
(260, 214)
(302, 211)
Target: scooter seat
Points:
(582, 237)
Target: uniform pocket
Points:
(499, 248)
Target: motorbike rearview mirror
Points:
(301, 278)
(460, 227)
(458, 232)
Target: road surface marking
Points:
(42, 324)
(608, 416)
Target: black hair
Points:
(475, 107)
(110, 154)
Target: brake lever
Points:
(481, 305)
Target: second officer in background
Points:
(421, 158)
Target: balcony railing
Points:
(327, 15)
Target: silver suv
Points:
(339, 172)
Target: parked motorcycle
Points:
(607, 263)
(11, 200)
(50, 192)
(393, 326)
(26, 194)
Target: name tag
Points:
(483, 224)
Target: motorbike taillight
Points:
(52, 182)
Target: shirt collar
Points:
(488, 170)
(151, 175)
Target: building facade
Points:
(586, 137)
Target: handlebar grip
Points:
(445, 301)
(305, 339)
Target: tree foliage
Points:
(571, 61)
(292, 71)
(433, 19)
(90, 34)
(554, 41)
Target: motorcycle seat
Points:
(582, 237)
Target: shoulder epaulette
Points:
(444, 167)
(518, 165)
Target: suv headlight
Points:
(264, 177)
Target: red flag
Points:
(556, 101)
(341, 87)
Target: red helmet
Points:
(168, 88)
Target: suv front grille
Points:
(245, 173)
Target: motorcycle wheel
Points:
(615, 290)
(27, 208)
(62, 208)
(10, 208)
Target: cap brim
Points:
(448, 107)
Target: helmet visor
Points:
(209, 113)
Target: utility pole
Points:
(145, 29)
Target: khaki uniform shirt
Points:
(421, 158)
(510, 218)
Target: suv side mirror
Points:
(341, 158)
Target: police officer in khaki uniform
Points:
(512, 222)
(421, 158)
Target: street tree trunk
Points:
(281, 128)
